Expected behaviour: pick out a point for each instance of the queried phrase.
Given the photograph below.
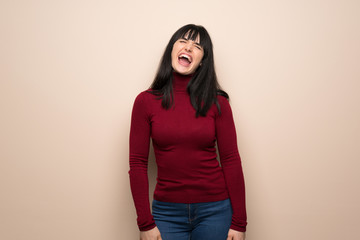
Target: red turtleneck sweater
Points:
(184, 146)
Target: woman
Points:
(186, 114)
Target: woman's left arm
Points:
(231, 165)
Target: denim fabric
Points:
(194, 221)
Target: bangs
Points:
(192, 33)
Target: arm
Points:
(138, 159)
(231, 164)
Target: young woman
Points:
(186, 114)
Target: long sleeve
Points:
(138, 158)
(231, 164)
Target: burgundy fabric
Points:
(184, 146)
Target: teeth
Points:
(185, 56)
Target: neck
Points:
(180, 82)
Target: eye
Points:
(198, 46)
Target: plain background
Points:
(70, 71)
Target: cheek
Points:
(173, 57)
(174, 61)
(173, 51)
(199, 58)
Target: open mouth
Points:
(184, 59)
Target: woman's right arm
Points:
(138, 159)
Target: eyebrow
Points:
(197, 44)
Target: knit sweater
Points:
(185, 152)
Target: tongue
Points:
(184, 62)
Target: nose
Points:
(189, 46)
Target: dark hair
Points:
(203, 87)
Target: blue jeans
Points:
(194, 221)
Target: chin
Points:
(183, 72)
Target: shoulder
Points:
(222, 98)
(224, 107)
(145, 100)
(223, 101)
(141, 99)
(144, 96)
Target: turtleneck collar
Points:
(180, 82)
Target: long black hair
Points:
(203, 87)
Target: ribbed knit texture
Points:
(184, 146)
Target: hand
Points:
(235, 235)
(152, 234)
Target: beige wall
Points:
(70, 70)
